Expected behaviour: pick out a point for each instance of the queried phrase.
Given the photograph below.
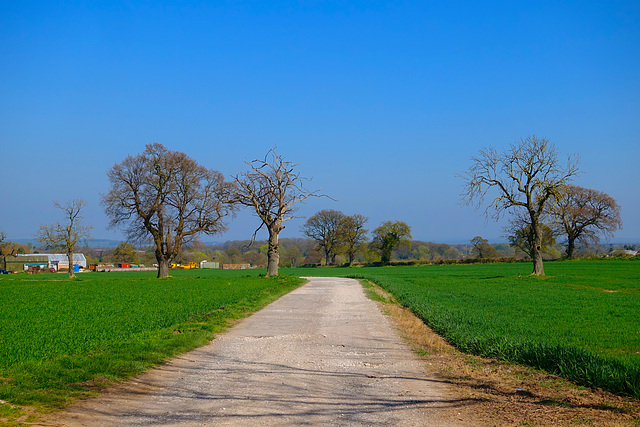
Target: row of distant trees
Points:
(295, 252)
(167, 198)
(336, 233)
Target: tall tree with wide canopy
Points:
(352, 234)
(272, 187)
(323, 227)
(167, 197)
(68, 234)
(388, 236)
(582, 214)
(482, 249)
(525, 176)
(126, 252)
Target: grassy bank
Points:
(61, 338)
(580, 321)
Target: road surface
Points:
(323, 354)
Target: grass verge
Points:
(503, 393)
(580, 321)
(41, 382)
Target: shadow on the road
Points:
(300, 396)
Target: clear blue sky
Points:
(381, 103)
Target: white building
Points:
(58, 261)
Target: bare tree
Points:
(525, 176)
(323, 227)
(352, 235)
(167, 197)
(68, 234)
(272, 187)
(582, 214)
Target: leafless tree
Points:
(272, 187)
(525, 176)
(68, 234)
(582, 214)
(167, 197)
(353, 235)
(324, 228)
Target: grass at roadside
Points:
(580, 321)
(504, 393)
(64, 338)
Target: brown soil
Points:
(506, 394)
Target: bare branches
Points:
(272, 187)
(526, 176)
(582, 214)
(68, 234)
(167, 197)
(324, 228)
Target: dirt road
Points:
(323, 354)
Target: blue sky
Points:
(380, 103)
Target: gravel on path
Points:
(323, 354)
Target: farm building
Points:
(22, 262)
(209, 264)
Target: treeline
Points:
(296, 252)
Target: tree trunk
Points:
(163, 268)
(327, 256)
(536, 248)
(70, 257)
(571, 246)
(273, 254)
(386, 256)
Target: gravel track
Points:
(323, 354)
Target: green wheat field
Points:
(61, 338)
(581, 321)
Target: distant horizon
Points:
(115, 242)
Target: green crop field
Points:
(581, 321)
(62, 337)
